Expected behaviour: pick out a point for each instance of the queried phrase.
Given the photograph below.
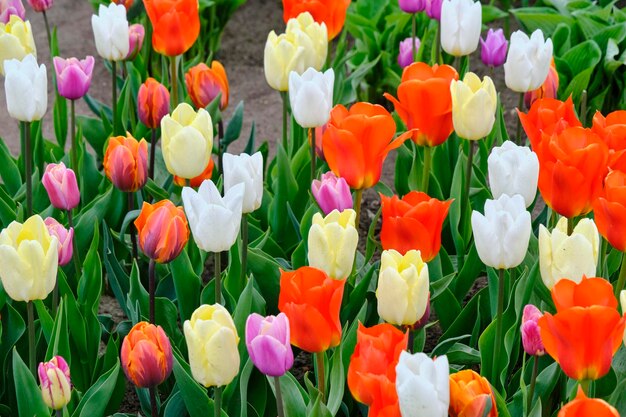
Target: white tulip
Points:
(513, 170)
(528, 61)
(26, 89)
(423, 385)
(214, 221)
(311, 96)
(110, 30)
(503, 233)
(248, 170)
(461, 22)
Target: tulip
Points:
(40, 5)
(331, 193)
(405, 54)
(126, 163)
(64, 237)
(531, 338)
(433, 9)
(10, 8)
(16, 41)
(25, 85)
(248, 170)
(126, 3)
(212, 341)
(612, 130)
(548, 89)
(268, 343)
(73, 76)
(402, 291)
(204, 84)
(528, 61)
(513, 170)
(153, 103)
(136, 34)
(187, 141)
(29, 255)
(313, 37)
(195, 182)
(610, 210)
(61, 186)
(56, 385)
(583, 351)
(471, 395)
(330, 12)
(493, 48)
(461, 22)
(412, 6)
(546, 118)
(425, 102)
(311, 301)
(175, 25)
(474, 105)
(163, 231)
(582, 406)
(311, 96)
(413, 222)
(146, 355)
(110, 30)
(332, 243)
(423, 385)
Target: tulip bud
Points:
(126, 162)
(73, 76)
(474, 105)
(311, 96)
(212, 341)
(110, 30)
(412, 6)
(56, 386)
(204, 84)
(423, 385)
(461, 22)
(146, 355)
(268, 343)
(136, 33)
(61, 186)
(548, 89)
(531, 334)
(332, 243)
(433, 9)
(513, 170)
(175, 25)
(493, 50)
(332, 193)
(248, 170)
(40, 5)
(10, 8)
(405, 54)
(195, 182)
(471, 395)
(162, 229)
(153, 103)
(65, 238)
(26, 89)
(528, 61)
(314, 38)
(16, 41)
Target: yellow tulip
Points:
(402, 291)
(29, 258)
(16, 40)
(212, 341)
(332, 243)
(187, 141)
(474, 105)
(317, 34)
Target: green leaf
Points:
(544, 18)
(195, 396)
(29, 399)
(90, 283)
(97, 397)
(337, 382)
(187, 285)
(9, 171)
(294, 402)
(233, 130)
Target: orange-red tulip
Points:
(195, 182)
(163, 230)
(372, 370)
(153, 103)
(609, 210)
(424, 102)
(586, 330)
(126, 162)
(413, 222)
(582, 406)
(205, 83)
(469, 395)
(146, 355)
(330, 12)
(175, 25)
(357, 141)
(612, 130)
(311, 300)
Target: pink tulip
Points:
(136, 34)
(73, 76)
(60, 183)
(331, 193)
(56, 386)
(40, 5)
(64, 237)
(9, 8)
(531, 337)
(494, 46)
(405, 54)
(433, 9)
(412, 6)
(268, 343)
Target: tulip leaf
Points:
(437, 287)
(29, 399)
(175, 405)
(293, 395)
(544, 18)
(187, 285)
(250, 145)
(244, 378)
(59, 114)
(59, 343)
(97, 397)
(233, 130)
(9, 170)
(262, 265)
(337, 382)
(90, 283)
(13, 328)
(7, 208)
(116, 277)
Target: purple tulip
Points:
(73, 76)
(56, 386)
(412, 6)
(136, 34)
(433, 9)
(60, 183)
(331, 193)
(405, 56)
(531, 336)
(64, 237)
(40, 5)
(9, 8)
(269, 344)
(493, 51)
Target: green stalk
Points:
(498, 341)
(411, 342)
(438, 58)
(75, 256)
(133, 237)
(32, 361)
(468, 170)
(279, 397)
(570, 226)
(520, 106)
(285, 98)
(426, 171)
(584, 384)
(218, 278)
(244, 248)
(312, 142)
(151, 288)
(174, 81)
(74, 148)
(533, 380)
(28, 157)
(413, 33)
(153, 403)
(114, 96)
(358, 195)
(45, 20)
(153, 143)
(217, 398)
(321, 375)
(619, 286)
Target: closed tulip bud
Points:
(423, 385)
(405, 54)
(40, 5)
(26, 89)
(330, 12)
(332, 243)
(64, 237)
(195, 182)
(474, 105)
(126, 163)
(311, 96)
(568, 257)
(528, 61)
(513, 170)
(313, 36)
(493, 48)
(205, 83)
(461, 22)
(110, 31)
(402, 291)
(61, 186)
(187, 141)
(246, 169)
(56, 385)
(503, 233)
(412, 6)
(548, 89)
(153, 103)
(29, 256)
(212, 341)
(163, 231)
(146, 355)
(73, 76)
(332, 193)
(175, 25)
(433, 9)
(268, 343)
(471, 396)
(531, 334)
(16, 41)
(10, 8)
(136, 33)
(214, 221)
(583, 406)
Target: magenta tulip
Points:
(40, 5)
(494, 46)
(64, 236)
(433, 9)
(136, 34)
(531, 337)
(405, 55)
(60, 183)
(9, 8)
(56, 386)
(73, 76)
(412, 6)
(268, 343)
(332, 193)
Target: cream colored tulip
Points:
(402, 291)
(568, 257)
(212, 341)
(332, 243)
(315, 42)
(16, 41)
(474, 104)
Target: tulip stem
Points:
(426, 171)
(153, 403)
(153, 143)
(583, 107)
(584, 384)
(285, 98)
(321, 375)
(312, 142)
(438, 58)
(520, 107)
(74, 148)
(133, 237)
(174, 81)
(413, 33)
(358, 195)
(28, 158)
(31, 338)
(151, 285)
(45, 20)
(75, 256)
(533, 380)
(468, 170)
(279, 397)
(498, 342)
(244, 248)
(220, 154)
(411, 340)
(217, 398)
(218, 278)
(114, 96)
(622, 277)
(59, 413)
(570, 226)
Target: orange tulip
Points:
(330, 12)
(153, 103)
(311, 300)
(609, 210)
(425, 103)
(163, 230)
(413, 222)
(357, 141)
(146, 355)
(612, 130)
(204, 84)
(582, 350)
(175, 25)
(126, 162)
(372, 370)
(582, 406)
(547, 90)
(469, 395)
(195, 182)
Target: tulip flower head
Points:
(612, 130)
(412, 6)
(126, 3)
(423, 385)
(175, 25)
(313, 37)
(153, 103)
(513, 170)
(126, 162)
(474, 105)
(40, 5)
(248, 170)
(146, 355)
(205, 83)
(162, 229)
(268, 343)
(136, 33)
(73, 76)
(10, 8)
(583, 406)
(461, 23)
(56, 385)
(195, 182)
(111, 33)
(26, 89)
(332, 193)
(16, 41)
(64, 237)
(548, 89)
(610, 210)
(61, 185)
(311, 96)
(528, 61)
(332, 243)
(493, 48)
(471, 395)
(330, 12)
(433, 9)
(531, 337)
(405, 54)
